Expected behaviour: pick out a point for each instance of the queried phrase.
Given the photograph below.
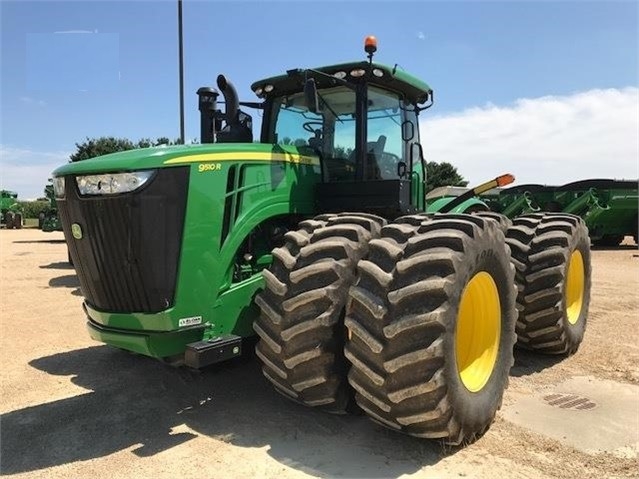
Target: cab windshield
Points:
(331, 132)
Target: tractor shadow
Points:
(622, 247)
(57, 265)
(50, 241)
(66, 281)
(530, 362)
(133, 400)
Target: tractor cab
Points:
(361, 119)
(9, 194)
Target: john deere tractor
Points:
(10, 210)
(48, 220)
(316, 238)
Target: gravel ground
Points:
(75, 408)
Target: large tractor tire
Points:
(431, 326)
(17, 221)
(502, 220)
(551, 252)
(301, 325)
(9, 219)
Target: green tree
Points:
(92, 147)
(48, 190)
(442, 174)
(31, 209)
(342, 152)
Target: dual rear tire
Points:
(301, 326)
(13, 220)
(432, 319)
(415, 321)
(551, 254)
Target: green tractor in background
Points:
(316, 238)
(48, 220)
(10, 209)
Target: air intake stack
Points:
(207, 104)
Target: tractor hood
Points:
(168, 156)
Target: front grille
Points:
(128, 255)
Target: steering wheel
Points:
(308, 126)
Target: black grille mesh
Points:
(128, 256)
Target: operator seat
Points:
(374, 152)
(316, 142)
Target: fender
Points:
(471, 204)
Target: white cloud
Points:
(549, 140)
(27, 100)
(27, 171)
(65, 32)
(421, 35)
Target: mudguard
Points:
(472, 204)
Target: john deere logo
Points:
(76, 231)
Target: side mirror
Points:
(310, 95)
(408, 130)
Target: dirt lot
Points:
(74, 408)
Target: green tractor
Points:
(316, 239)
(11, 211)
(48, 220)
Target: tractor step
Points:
(211, 351)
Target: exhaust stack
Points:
(237, 124)
(231, 100)
(207, 104)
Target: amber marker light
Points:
(370, 44)
(504, 180)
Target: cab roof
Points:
(414, 90)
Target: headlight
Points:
(58, 186)
(112, 183)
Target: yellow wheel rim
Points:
(575, 287)
(478, 331)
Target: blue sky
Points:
(121, 80)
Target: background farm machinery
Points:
(609, 207)
(48, 220)
(11, 211)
